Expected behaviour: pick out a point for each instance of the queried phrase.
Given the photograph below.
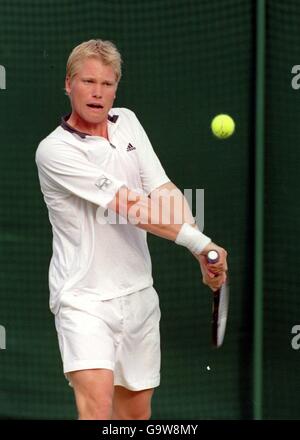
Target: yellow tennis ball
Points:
(222, 126)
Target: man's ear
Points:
(68, 85)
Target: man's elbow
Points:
(123, 201)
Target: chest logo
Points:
(130, 147)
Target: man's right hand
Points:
(214, 274)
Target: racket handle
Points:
(212, 257)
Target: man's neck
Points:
(91, 129)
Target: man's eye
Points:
(87, 81)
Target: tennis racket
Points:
(219, 306)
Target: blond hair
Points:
(103, 50)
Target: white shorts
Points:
(120, 334)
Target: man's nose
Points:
(97, 91)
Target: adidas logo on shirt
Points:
(130, 147)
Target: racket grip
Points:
(212, 257)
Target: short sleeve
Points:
(152, 172)
(68, 169)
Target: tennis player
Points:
(105, 188)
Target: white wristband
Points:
(192, 238)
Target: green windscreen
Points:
(184, 62)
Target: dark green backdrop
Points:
(184, 62)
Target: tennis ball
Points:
(222, 126)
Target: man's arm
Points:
(156, 214)
(212, 276)
(166, 213)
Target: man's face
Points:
(92, 91)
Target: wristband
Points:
(192, 239)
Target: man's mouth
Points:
(95, 105)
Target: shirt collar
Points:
(64, 124)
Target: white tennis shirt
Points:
(80, 174)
